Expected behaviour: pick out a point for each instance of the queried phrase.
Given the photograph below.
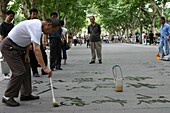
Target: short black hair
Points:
(55, 22)
(54, 13)
(61, 22)
(92, 17)
(162, 18)
(33, 10)
(10, 12)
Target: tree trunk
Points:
(153, 25)
(65, 21)
(56, 6)
(127, 32)
(155, 7)
(33, 3)
(24, 8)
(42, 10)
(3, 5)
(141, 30)
(2, 15)
(163, 7)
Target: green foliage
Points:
(18, 18)
(113, 15)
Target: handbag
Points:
(67, 46)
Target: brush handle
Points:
(52, 90)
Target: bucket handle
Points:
(115, 72)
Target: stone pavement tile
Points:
(95, 111)
(38, 106)
(159, 105)
(3, 85)
(92, 107)
(6, 109)
(90, 103)
(1, 78)
(110, 106)
(50, 111)
(125, 111)
(155, 110)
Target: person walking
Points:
(165, 33)
(15, 50)
(144, 36)
(94, 31)
(70, 39)
(5, 28)
(151, 36)
(87, 42)
(64, 34)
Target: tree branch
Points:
(24, 8)
(155, 7)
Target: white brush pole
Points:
(52, 90)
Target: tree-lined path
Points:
(82, 87)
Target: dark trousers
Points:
(55, 53)
(33, 60)
(151, 41)
(21, 75)
(88, 43)
(64, 50)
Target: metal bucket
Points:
(118, 78)
(157, 56)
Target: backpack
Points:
(144, 36)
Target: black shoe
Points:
(10, 102)
(59, 68)
(100, 62)
(92, 62)
(30, 97)
(52, 69)
(36, 75)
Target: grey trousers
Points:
(96, 47)
(21, 74)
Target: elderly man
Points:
(94, 32)
(15, 50)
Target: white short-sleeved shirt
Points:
(26, 32)
(143, 34)
(64, 31)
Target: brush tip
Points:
(55, 104)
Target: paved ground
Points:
(84, 88)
